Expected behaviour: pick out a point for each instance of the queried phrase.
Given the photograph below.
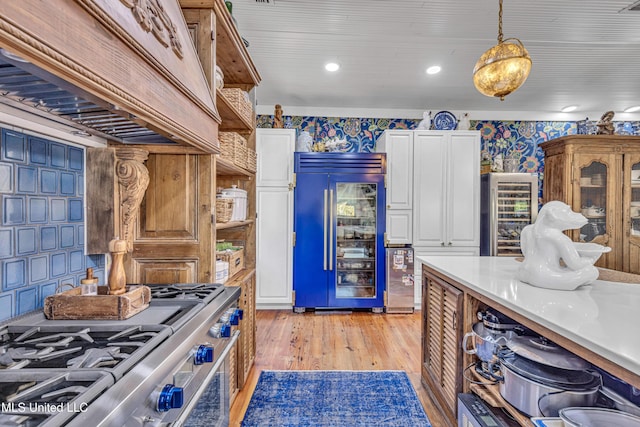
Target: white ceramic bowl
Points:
(597, 417)
(593, 251)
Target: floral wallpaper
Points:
(360, 133)
(519, 139)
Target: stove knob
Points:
(225, 317)
(220, 330)
(234, 319)
(204, 354)
(225, 330)
(240, 313)
(214, 331)
(170, 398)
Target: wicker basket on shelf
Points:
(252, 160)
(235, 258)
(224, 209)
(233, 147)
(239, 99)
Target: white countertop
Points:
(602, 317)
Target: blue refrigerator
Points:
(339, 220)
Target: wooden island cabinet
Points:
(590, 322)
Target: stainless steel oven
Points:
(166, 387)
(166, 366)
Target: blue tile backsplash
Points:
(42, 227)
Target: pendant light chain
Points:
(500, 36)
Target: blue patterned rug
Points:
(334, 398)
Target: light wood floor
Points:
(354, 341)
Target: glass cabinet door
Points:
(356, 240)
(514, 211)
(593, 201)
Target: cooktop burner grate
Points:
(31, 398)
(74, 347)
(198, 291)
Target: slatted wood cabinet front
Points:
(441, 337)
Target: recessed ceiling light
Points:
(569, 108)
(331, 66)
(632, 109)
(435, 69)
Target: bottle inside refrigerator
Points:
(508, 203)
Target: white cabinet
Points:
(433, 192)
(422, 251)
(399, 225)
(399, 148)
(274, 247)
(275, 157)
(274, 223)
(398, 145)
(446, 189)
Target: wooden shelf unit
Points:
(227, 168)
(233, 224)
(232, 120)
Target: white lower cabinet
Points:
(399, 227)
(425, 251)
(274, 251)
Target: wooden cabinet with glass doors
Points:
(599, 176)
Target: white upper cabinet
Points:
(399, 148)
(447, 188)
(274, 148)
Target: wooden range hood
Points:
(129, 65)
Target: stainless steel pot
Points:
(485, 342)
(541, 391)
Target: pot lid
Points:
(491, 335)
(564, 379)
(541, 350)
(495, 320)
(596, 417)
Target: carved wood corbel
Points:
(133, 180)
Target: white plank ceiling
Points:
(584, 52)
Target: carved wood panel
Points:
(165, 271)
(169, 208)
(174, 229)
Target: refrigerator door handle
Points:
(324, 229)
(330, 229)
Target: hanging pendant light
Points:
(503, 68)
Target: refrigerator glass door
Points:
(354, 255)
(513, 213)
